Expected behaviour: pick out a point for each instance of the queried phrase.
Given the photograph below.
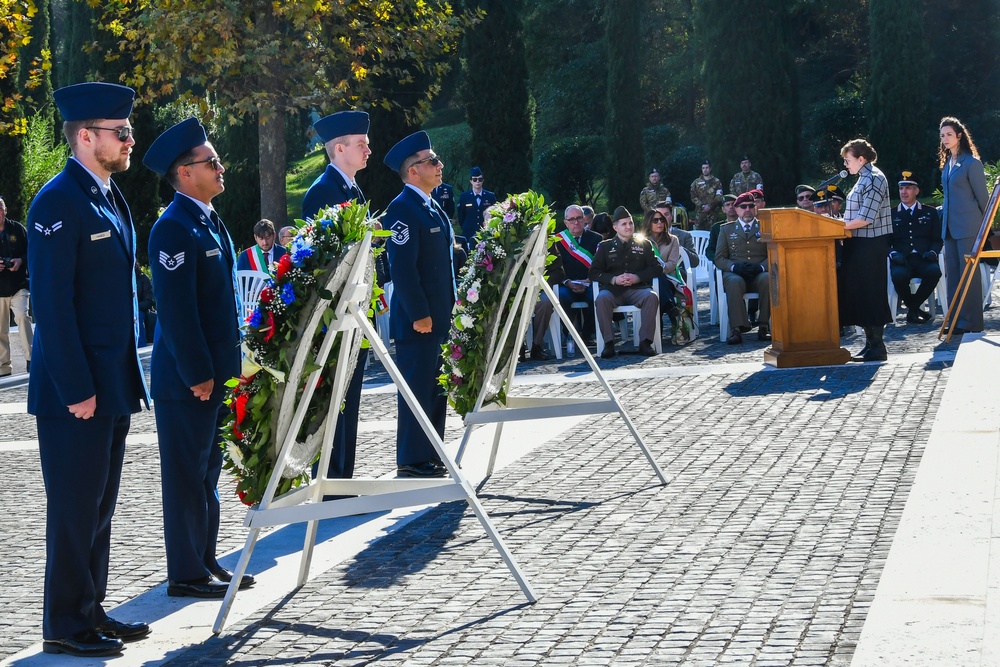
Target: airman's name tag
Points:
(213, 253)
(102, 235)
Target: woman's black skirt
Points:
(863, 283)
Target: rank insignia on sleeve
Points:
(400, 232)
(47, 231)
(171, 263)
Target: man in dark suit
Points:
(264, 253)
(345, 135)
(568, 273)
(913, 251)
(86, 379)
(444, 195)
(472, 205)
(195, 352)
(421, 262)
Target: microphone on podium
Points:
(833, 179)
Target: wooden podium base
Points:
(787, 359)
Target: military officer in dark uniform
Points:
(86, 379)
(472, 205)
(444, 195)
(195, 352)
(742, 256)
(421, 262)
(914, 248)
(625, 268)
(345, 135)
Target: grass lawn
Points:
(300, 177)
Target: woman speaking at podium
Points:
(862, 283)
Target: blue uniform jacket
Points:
(83, 296)
(420, 260)
(470, 216)
(197, 328)
(444, 195)
(328, 190)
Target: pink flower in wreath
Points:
(487, 262)
(455, 380)
(456, 352)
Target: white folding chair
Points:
(724, 304)
(635, 314)
(250, 283)
(702, 273)
(914, 284)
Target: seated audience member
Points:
(758, 198)
(804, 197)
(568, 274)
(742, 256)
(913, 252)
(683, 237)
(285, 235)
(729, 208)
(625, 268)
(262, 255)
(602, 225)
(837, 198)
(588, 216)
(668, 247)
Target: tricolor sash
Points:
(256, 257)
(576, 250)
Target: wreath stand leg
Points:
(519, 409)
(305, 503)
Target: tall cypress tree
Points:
(899, 125)
(495, 90)
(624, 118)
(752, 97)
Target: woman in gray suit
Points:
(963, 182)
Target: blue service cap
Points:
(94, 99)
(407, 146)
(341, 123)
(475, 171)
(173, 143)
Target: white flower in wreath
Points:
(466, 321)
(456, 371)
(234, 454)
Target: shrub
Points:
(569, 171)
(41, 160)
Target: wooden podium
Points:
(805, 325)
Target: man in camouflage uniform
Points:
(745, 179)
(654, 192)
(742, 256)
(706, 195)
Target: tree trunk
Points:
(273, 203)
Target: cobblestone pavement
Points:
(764, 548)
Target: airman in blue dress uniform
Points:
(420, 257)
(472, 205)
(86, 379)
(345, 135)
(195, 351)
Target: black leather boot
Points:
(860, 356)
(877, 351)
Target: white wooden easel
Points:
(305, 503)
(525, 408)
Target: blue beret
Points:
(341, 123)
(407, 146)
(95, 99)
(476, 171)
(173, 143)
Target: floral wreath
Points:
(478, 308)
(273, 333)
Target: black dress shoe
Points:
(538, 354)
(763, 333)
(608, 351)
(124, 631)
(86, 644)
(646, 349)
(423, 469)
(876, 353)
(735, 337)
(206, 587)
(225, 576)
